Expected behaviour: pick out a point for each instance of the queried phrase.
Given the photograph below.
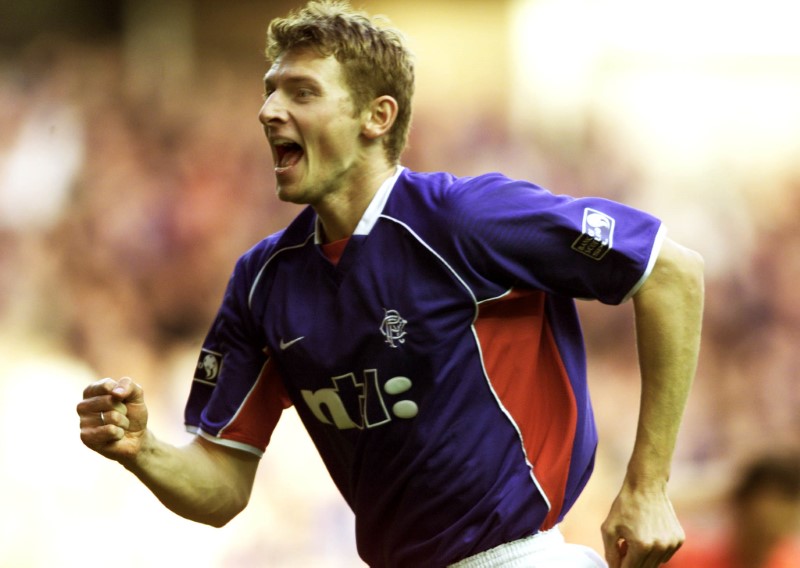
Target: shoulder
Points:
(444, 185)
(484, 209)
(296, 235)
(462, 199)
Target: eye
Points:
(304, 93)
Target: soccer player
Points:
(424, 327)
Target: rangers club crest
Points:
(393, 328)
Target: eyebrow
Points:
(293, 79)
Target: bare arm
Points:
(202, 481)
(641, 529)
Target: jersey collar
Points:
(374, 209)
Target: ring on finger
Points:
(102, 419)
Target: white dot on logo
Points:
(402, 408)
(397, 385)
(405, 409)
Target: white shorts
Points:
(541, 550)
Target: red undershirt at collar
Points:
(333, 251)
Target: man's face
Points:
(310, 122)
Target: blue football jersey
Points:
(439, 366)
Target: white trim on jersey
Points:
(374, 209)
(503, 407)
(261, 378)
(263, 268)
(376, 206)
(223, 442)
(452, 270)
(657, 243)
(486, 377)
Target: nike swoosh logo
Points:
(286, 344)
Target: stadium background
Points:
(133, 172)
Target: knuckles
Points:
(99, 388)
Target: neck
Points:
(341, 211)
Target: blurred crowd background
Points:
(133, 172)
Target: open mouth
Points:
(287, 154)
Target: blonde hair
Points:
(374, 59)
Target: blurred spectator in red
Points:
(764, 521)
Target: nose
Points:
(273, 110)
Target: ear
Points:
(379, 117)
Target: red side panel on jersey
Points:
(529, 378)
(260, 411)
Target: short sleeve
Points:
(237, 394)
(518, 233)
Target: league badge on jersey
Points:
(208, 367)
(597, 236)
